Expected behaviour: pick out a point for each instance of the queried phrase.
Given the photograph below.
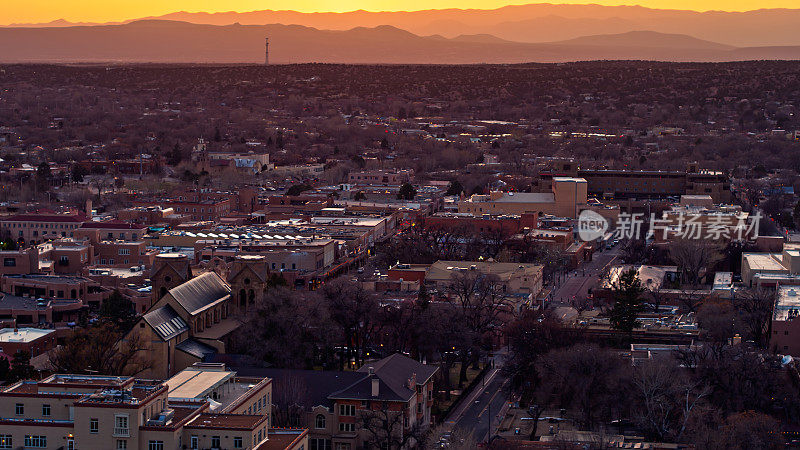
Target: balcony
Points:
(122, 432)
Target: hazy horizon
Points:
(96, 11)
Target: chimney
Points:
(89, 208)
(376, 386)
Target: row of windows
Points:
(194, 210)
(347, 410)
(256, 407)
(45, 225)
(216, 442)
(54, 233)
(319, 444)
(36, 441)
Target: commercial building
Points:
(516, 279)
(758, 265)
(112, 412)
(785, 338)
(34, 341)
(620, 184)
(567, 198)
(381, 177)
(39, 227)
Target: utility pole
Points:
(266, 51)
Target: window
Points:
(193, 442)
(5, 441)
(215, 442)
(347, 427)
(36, 441)
(10, 262)
(121, 425)
(19, 409)
(94, 425)
(155, 445)
(124, 251)
(237, 442)
(46, 410)
(319, 422)
(122, 445)
(347, 410)
(319, 444)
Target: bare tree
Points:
(755, 307)
(585, 379)
(693, 257)
(386, 427)
(103, 350)
(357, 313)
(290, 400)
(666, 398)
(287, 329)
(479, 301)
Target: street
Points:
(489, 400)
(576, 284)
(486, 402)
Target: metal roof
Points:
(166, 322)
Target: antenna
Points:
(266, 51)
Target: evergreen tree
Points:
(454, 188)
(627, 292)
(407, 192)
(119, 311)
(21, 368)
(5, 369)
(78, 172)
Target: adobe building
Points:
(624, 183)
(169, 270)
(115, 412)
(189, 324)
(567, 198)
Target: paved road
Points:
(487, 402)
(577, 283)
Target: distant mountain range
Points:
(182, 42)
(533, 23)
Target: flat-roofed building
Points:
(39, 311)
(785, 263)
(516, 278)
(35, 341)
(114, 412)
(625, 183)
(785, 338)
(567, 197)
(231, 394)
(34, 228)
(381, 177)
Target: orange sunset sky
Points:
(27, 11)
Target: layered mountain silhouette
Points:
(183, 42)
(534, 22)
